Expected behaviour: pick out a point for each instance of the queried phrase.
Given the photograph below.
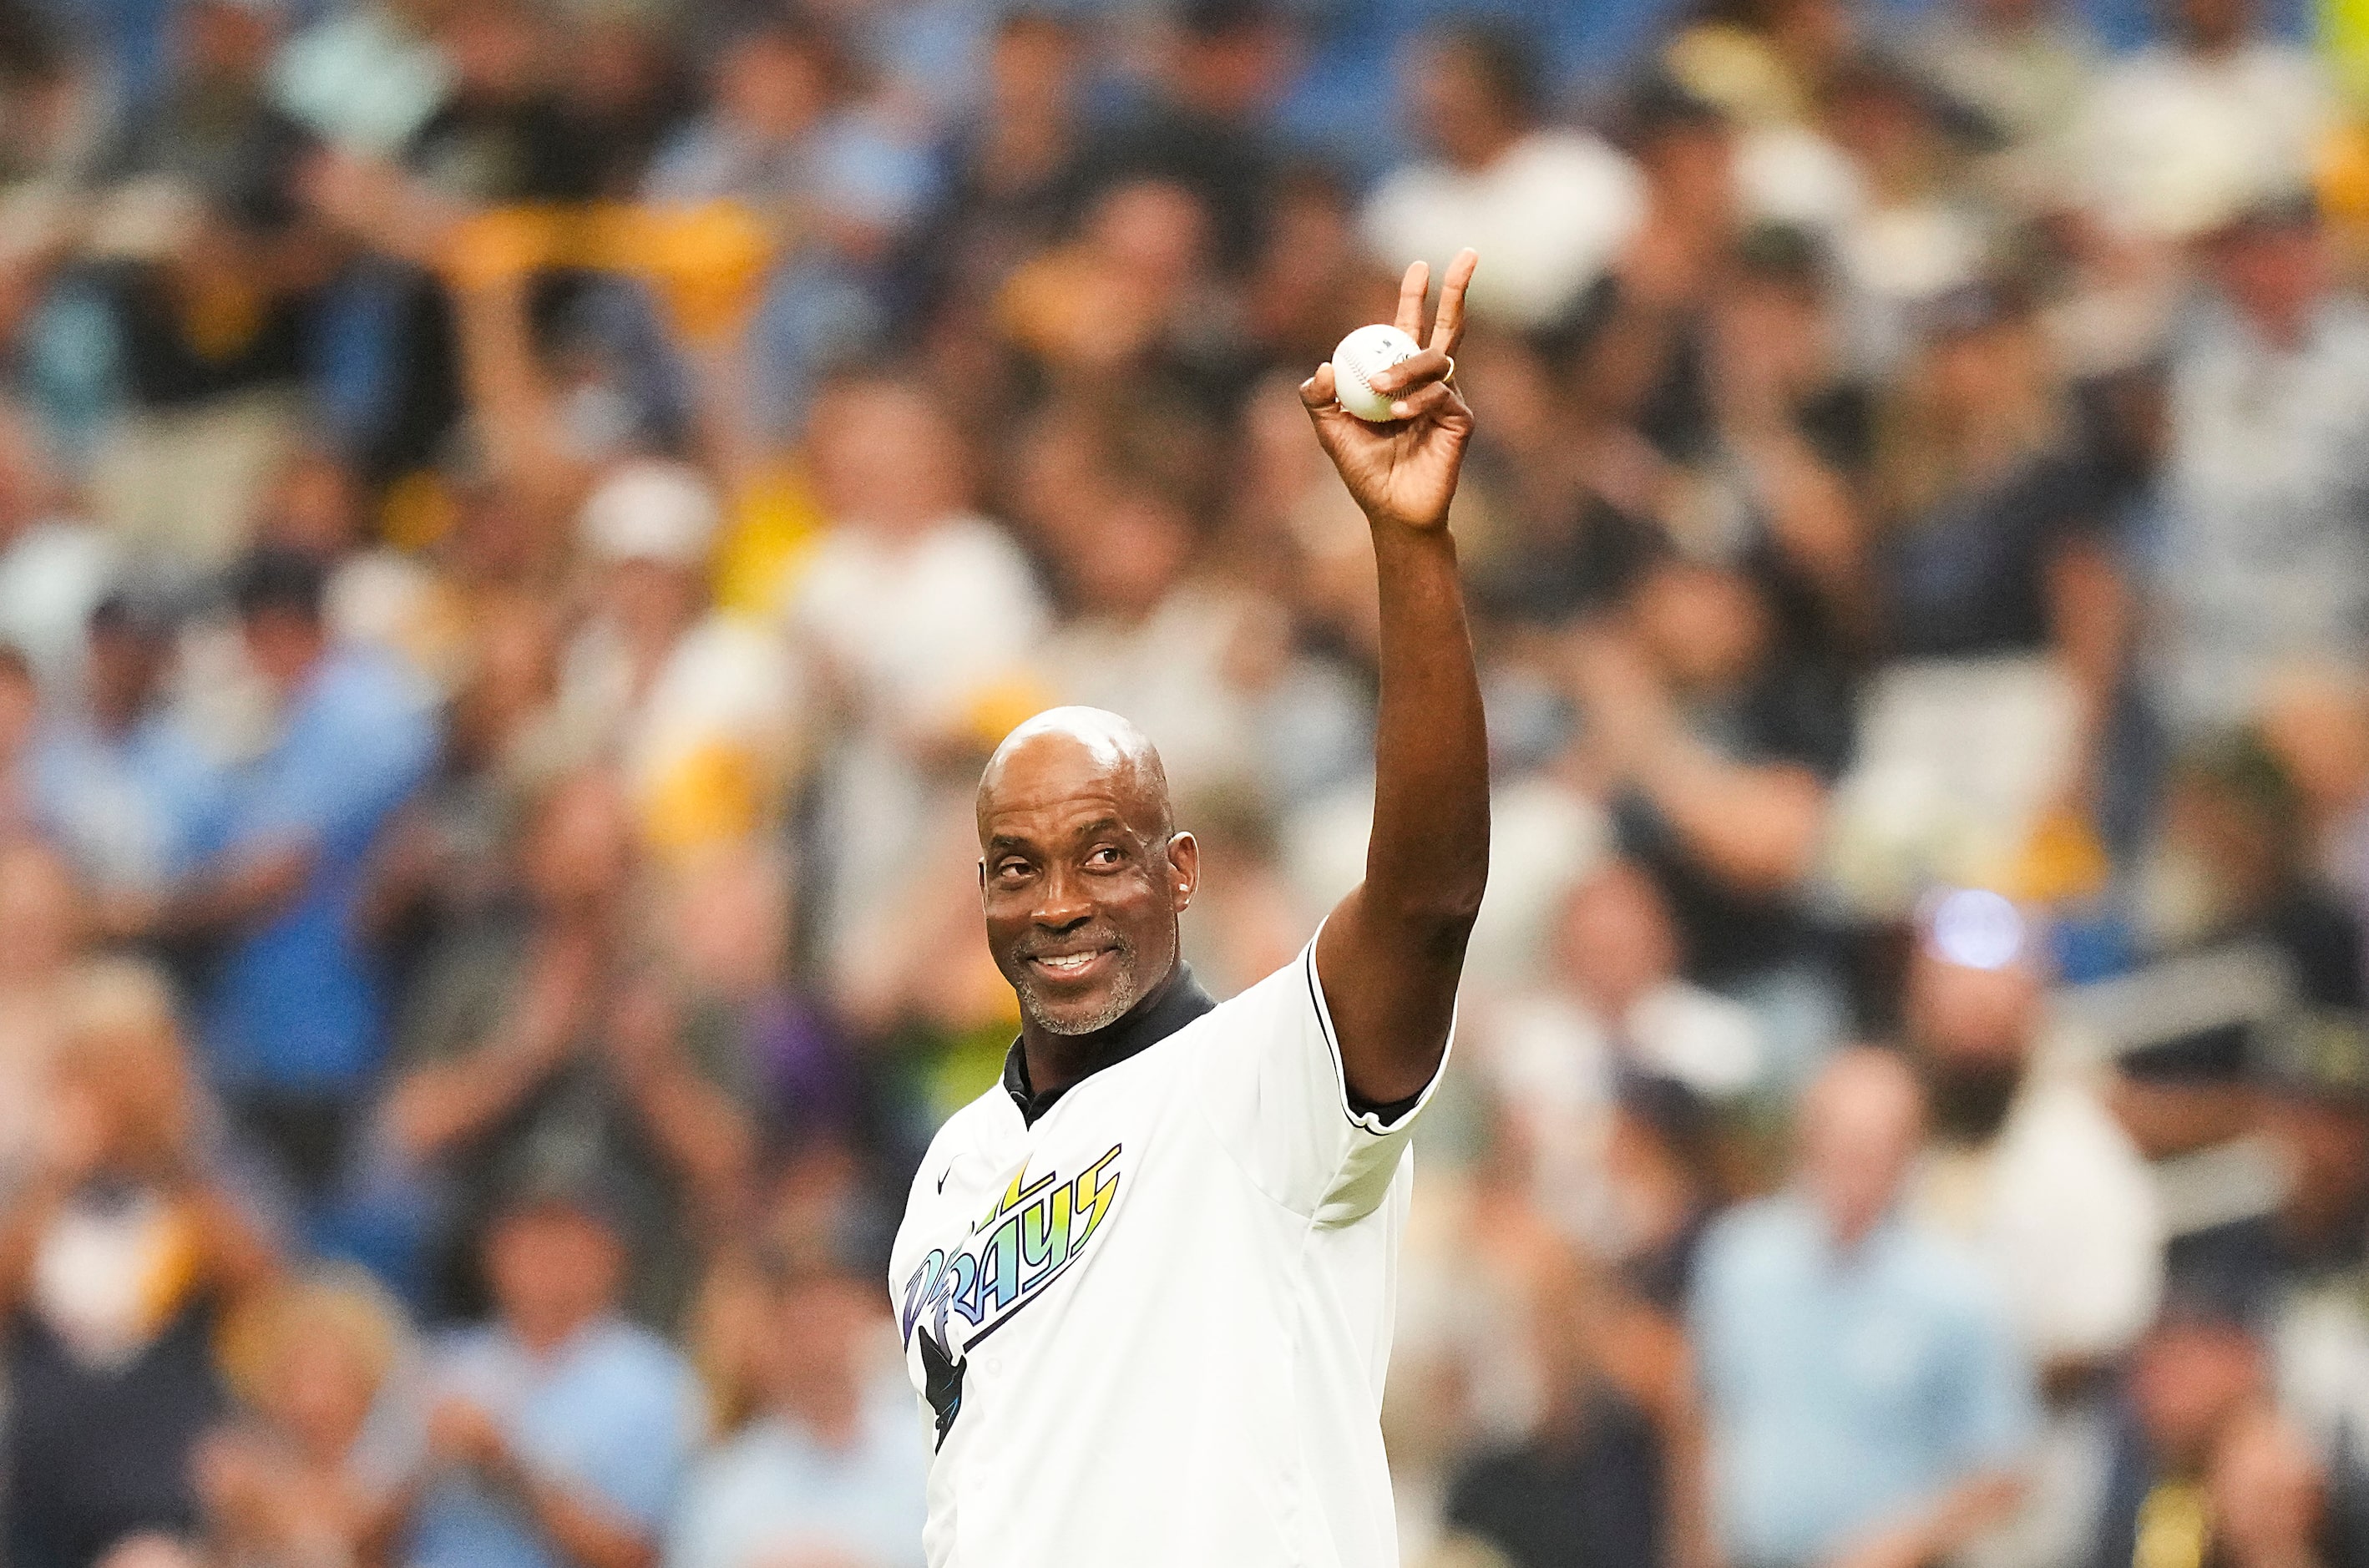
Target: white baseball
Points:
(1363, 355)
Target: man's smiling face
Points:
(1080, 873)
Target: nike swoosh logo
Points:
(942, 1178)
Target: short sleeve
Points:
(1273, 1089)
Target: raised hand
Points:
(1404, 473)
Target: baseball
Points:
(1363, 355)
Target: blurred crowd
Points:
(519, 521)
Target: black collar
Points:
(1178, 1003)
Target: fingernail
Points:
(1401, 410)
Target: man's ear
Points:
(1185, 864)
(982, 876)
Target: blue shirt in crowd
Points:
(774, 1491)
(613, 1415)
(295, 1003)
(1845, 1388)
(129, 809)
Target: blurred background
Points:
(520, 519)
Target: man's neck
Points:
(1055, 1062)
(1043, 1065)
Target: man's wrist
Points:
(1382, 524)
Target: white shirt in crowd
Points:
(2061, 1210)
(919, 626)
(1151, 1326)
(2173, 141)
(1551, 215)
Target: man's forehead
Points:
(1052, 816)
(1053, 780)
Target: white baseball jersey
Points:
(1148, 1322)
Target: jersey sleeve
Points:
(1271, 1084)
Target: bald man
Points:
(1145, 1283)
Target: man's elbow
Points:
(1439, 918)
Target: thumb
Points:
(1318, 391)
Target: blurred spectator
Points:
(498, 134)
(1920, 229)
(693, 702)
(787, 135)
(1867, 1401)
(1718, 758)
(2253, 950)
(1007, 180)
(2196, 1377)
(120, 1253)
(293, 1021)
(790, 140)
(2027, 1168)
(558, 1431)
(912, 614)
(828, 1471)
(1609, 1472)
(2259, 560)
(2030, 1173)
(1582, 1069)
(123, 783)
(215, 131)
(1552, 208)
(542, 1044)
(1207, 122)
(1998, 610)
(302, 1474)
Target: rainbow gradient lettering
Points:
(1032, 1234)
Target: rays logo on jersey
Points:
(1024, 1244)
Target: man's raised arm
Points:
(1393, 950)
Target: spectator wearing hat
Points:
(828, 1470)
(2316, 1115)
(1866, 1400)
(292, 1019)
(558, 1431)
(695, 705)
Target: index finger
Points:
(1412, 290)
(1448, 327)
